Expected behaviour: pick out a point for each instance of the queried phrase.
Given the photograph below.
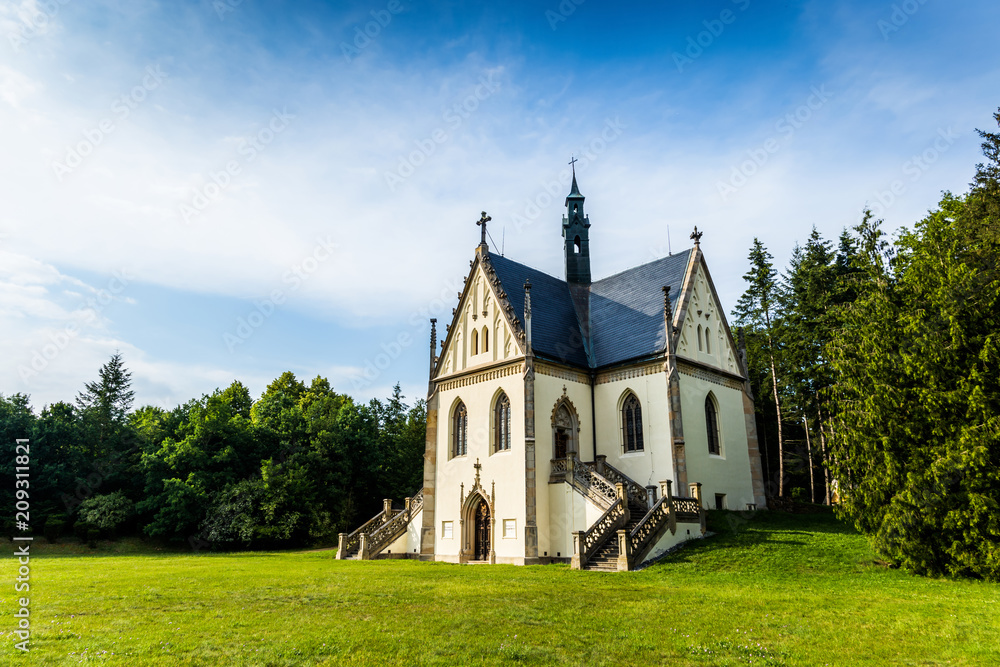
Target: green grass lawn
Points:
(777, 590)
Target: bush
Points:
(53, 529)
(107, 512)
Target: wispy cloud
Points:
(323, 175)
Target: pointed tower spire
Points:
(576, 233)
(575, 190)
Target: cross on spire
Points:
(572, 163)
(478, 466)
(482, 223)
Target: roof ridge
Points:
(639, 266)
(528, 266)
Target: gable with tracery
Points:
(480, 332)
(704, 335)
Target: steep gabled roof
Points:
(626, 309)
(555, 329)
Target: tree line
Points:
(875, 364)
(295, 467)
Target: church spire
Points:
(576, 233)
(575, 190)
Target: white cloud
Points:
(57, 335)
(400, 251)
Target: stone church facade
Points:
(590, 422)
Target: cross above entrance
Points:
(478, 466)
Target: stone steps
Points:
(605, 559)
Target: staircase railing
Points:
(585, 479)
(663, 516)
(659, 516)
(636, 492)
(381, 530)
(586, 543)
(348, 543)
(688, 509)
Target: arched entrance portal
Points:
(481, 536)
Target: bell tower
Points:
(576, 233)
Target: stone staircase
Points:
(632, 523)
(368, 541)
(605, 559)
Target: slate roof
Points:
(626, 311)
(555, 328)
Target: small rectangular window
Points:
(510, 528)
(446, 529)
(720, 501)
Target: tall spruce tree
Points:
(104, 405)
(755, 311)
(806, 297)
(917, 436)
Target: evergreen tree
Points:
(104, 405)
(756, 311)
(806, 297)
(917, 438)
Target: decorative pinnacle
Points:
(666, 301)
(482, 223)
(696, 235)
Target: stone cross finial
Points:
(478, 466)
(482, 223)
(696, 235)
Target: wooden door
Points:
(562, 441)
(482, 536)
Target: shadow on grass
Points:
(70, 548)
(741, 530)
(728, 522)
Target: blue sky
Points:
(230, 189)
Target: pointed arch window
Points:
(700, 347)
(712, 425)
(460, 431)
(632, 424)
(486, 339)
(501, 422)
(474, 339)
(576, 245)
(708, 341)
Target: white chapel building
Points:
(590, 422)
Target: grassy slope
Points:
(778, 590)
